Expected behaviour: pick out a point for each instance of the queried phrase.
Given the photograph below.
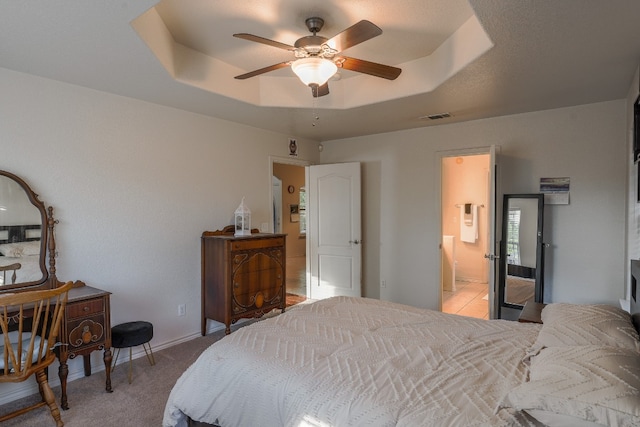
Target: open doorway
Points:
(465, 199)
(289, 217)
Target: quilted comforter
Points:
(355, 362)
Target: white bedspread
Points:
(357, 362)
(29, 270)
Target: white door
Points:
(493, 255)
(334, 230)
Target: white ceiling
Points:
(540, 54)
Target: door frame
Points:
(438, 204)
(302, 164)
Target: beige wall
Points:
(134, 185)
(401, 201)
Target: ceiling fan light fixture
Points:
(314, 70)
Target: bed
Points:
(20, 255)
(356, 361)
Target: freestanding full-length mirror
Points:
(522, 250)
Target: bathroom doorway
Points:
(465, 201)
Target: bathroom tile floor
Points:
(467, 300)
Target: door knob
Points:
(355, 242)
(491, 257)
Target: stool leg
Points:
(130, 366)
(116, 360)
(152, 361)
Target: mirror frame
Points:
(539, 275)
(48, 276)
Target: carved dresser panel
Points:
(86, 327)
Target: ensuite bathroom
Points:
(465, 235)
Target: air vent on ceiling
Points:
(436, 116)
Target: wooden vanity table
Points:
(27, 242)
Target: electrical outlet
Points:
(182, 309)
(383, 283)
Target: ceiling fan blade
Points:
(262, 40)
(367, 67)
(262, 70)
(318, 91)
(355, 34)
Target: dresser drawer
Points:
(85, 308)
(243, 245)
(87, 332)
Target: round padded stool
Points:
(129, 335)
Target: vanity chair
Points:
(30, 322)
(9, 268)
(27, 239)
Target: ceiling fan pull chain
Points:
(316, 117)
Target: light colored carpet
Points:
(138, 404)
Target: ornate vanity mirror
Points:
(24, 228)
(522, 250)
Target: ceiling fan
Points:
(318, 58)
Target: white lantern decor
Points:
(243, 220)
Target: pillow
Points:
(30, 248)
(23, 355)
(17, 250)
(11, 250)
(592, 384)
(577, 324)
(14, 337)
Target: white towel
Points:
(469, 231)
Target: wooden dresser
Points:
(86, 327)
(242, 277)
